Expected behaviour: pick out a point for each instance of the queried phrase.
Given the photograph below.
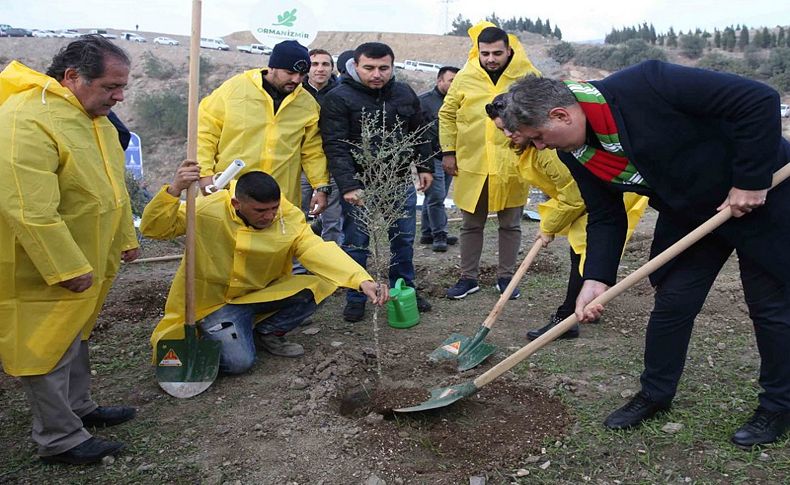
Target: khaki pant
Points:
(471, 238)
(59, 399)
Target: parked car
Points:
(218, 44)
(68, 34)
(255, 49)
(17, 32)
(410, 65)
(165, 41)
(43, 33)
(132, 37)
(784, 110)
(103, 33)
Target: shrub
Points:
(562, 52)
(157, 68)
(718, 62)
(163, 113)
(613, 58)
(692, 46)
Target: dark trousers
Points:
(575, 282)
(679, 297)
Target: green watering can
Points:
(402, 308)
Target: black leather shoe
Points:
(90, 451)
(638, 409)
(423, 305)
(553, 321)
(354, 311)
(108, 416)
(452, 240)
(426, 239)
(439, 243)
(763, 427)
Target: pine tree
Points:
(717, 38)
(743, 40)
(557, 33)
(672, 38)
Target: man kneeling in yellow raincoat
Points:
(245, 245)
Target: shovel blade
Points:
(187, 367)
(444, 396)
(475, 356)
(450, 348)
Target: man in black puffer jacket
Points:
(370, 87)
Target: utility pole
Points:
(446, 14)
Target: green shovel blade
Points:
(185, 368)
(450, 348)
(444, 396)
(475, 356)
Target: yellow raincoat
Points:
(481, 150)
(64, 212)
(239, 264)
(565, 213)
(237, 120)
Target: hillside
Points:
(162, 153)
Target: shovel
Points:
(447, 395)
(470, 352)
(187, 367)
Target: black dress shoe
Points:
(108, 416)
(423, 305)
(764, 427)
(638, 409)
(90, 451)
(573, 332)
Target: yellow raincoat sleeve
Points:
(211, 118)
(448, 130)
(326, 259)
(164, 217)
(29, 199)
(313, 159)
(567, 205)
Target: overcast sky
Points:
(579, 20)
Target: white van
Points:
(410, 65)
(784, 110)
(218, 44)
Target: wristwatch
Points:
(327, 189)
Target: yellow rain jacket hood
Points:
(64, 212)
(238, 264)
(565, 213)
(237, 120)
(482, 151)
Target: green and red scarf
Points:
(609, 164)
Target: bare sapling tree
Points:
(386, 155)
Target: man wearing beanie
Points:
(267, 119)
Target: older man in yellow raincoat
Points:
(268, 120)
(479, 156)
(65, 224)
(247, 240)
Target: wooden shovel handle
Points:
(192, 191)
(514, 281)
(627, 282)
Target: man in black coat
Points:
(695, 142)
(371, 88)
(434, 216)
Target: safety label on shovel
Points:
(453, 348)
(170, 360)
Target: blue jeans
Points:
(233, 326)
(401, 235)
(434, 215)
